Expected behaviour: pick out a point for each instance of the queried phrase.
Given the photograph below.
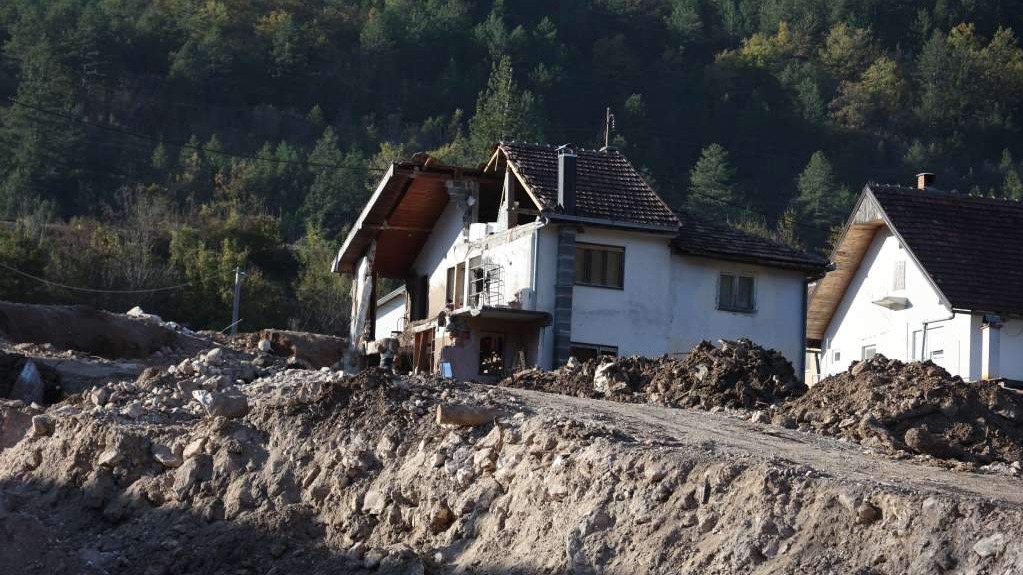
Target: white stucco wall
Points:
(637, 318)
(390, 317)
(1011, 350)
(777, 322)
(858, 322)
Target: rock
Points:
(783, 420)
(29, 386)
(165, 456)
(857, 368)
(707, 522)
(374, 502)
(230, 403)
(990, 545)
(867, 514)
(760, 416)
(215, 356)
(100, 396)
(42, 425)
(265, 346)
(134, 410)
(441, 518)
(110, 457)
(185, 368)
(192, 471)
(194, 448)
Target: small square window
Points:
(838, 355)
(869, 351)
(737, 293)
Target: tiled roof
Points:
(699, 236)
(970, 247)
(608, 187)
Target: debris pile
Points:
(918, 408)
(208, 384)
(734, 374)
(354, 474)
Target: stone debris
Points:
(915, 408)
(733, 374)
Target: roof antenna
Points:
(609, 124)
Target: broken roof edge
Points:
(419, 164)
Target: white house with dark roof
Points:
(547, 253)
(922, 274)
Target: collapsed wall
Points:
(330, 473)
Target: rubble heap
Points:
(354, 474)
(919, 408)
(734, 374)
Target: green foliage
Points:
(307, 103)
(324, 299)
(712, 186)
(503, 112)
(821, 201)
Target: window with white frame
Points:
(737, 292)
(868, 351)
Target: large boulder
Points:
(308, 350)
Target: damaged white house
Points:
(546, 253)
(922, 274)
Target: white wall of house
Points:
(858, 323)
(637, 318)
(1010, 356)
(390, 317)
(776, 322)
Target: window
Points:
(900, 275)
(588, 351)
(869, 351)
(600, 266)
(735, 293)
(838, 356)
(455, 286)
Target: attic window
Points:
(736, 293)
(900, 275)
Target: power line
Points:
(185, 145)
(91, 290)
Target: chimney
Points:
(566, 178)
(924, 180)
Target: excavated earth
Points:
(317, 472)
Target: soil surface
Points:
(218, 465)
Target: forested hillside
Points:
(152, 143)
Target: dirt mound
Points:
(734, 374)
(352, 474)
(917, 408)
(86, 329)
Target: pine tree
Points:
(503, 112)
(821, 201)
(712, 186)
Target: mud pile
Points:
(918, 408)
(734, 374)
(352, 474)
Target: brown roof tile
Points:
(608, 187)
(969, 246)
(702, 237)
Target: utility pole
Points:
(238, 273)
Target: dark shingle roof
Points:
(969, 246)
(702, 237)
(608, 187)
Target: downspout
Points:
(923, 337)
(805, 303)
